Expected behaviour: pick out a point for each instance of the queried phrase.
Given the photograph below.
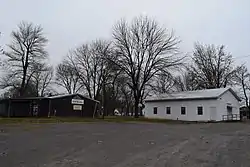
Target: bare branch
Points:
(42, 78)
(67, 77)
(89, 62)
(212, 68)
(27, 48)
(143, 49)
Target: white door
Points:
(213, 113)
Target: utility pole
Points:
(103, 96)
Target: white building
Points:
(200, 105)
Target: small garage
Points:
(70, 105)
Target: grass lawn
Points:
(24, 120)
(79, 119)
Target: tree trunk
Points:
(131, 110)
(21, 91)
(141, 114)
(37, 89)
(127, 109)
(136, 108)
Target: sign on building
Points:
(77, 101)
(77, 107)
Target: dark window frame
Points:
(199, 110)
(168, 110)
(155, 110)
(183, 110)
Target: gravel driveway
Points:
(125, 145)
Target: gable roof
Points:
(193, 95)
(53, 97)
(68, 95)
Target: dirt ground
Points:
(125, 145)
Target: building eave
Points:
(75, 94)
(184, 99)
(194, 98)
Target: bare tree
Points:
(89, 61)
(1, 49)
(162, 83)
(143, 49)
(184, 82)
(243, 79)
(66, 76)
(111, 88)
(124, 94)
(42, 78)
(26, 49)
(12, 91)
(212, 67)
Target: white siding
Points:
(227, 99)
(191, 108)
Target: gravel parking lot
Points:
(125, 145)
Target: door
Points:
(229, 112)
(213, 113)
(34, 109)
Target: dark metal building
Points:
(73, 105)
(62, 105)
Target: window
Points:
(200, 110)
(183, 110)
(168, 110)
(155, 110)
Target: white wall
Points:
(227, 99)
(191, 108)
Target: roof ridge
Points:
(200, 90)
(196, 94)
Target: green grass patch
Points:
(141, 119)
(117, 119)
(25, 120)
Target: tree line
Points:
(143, 58)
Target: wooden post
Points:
(103, 98)
(49, 107)
(9, 102)
(94, 110)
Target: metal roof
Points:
(52, 97)
(192, 95)
(68, 95)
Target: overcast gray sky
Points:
(68, 23)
